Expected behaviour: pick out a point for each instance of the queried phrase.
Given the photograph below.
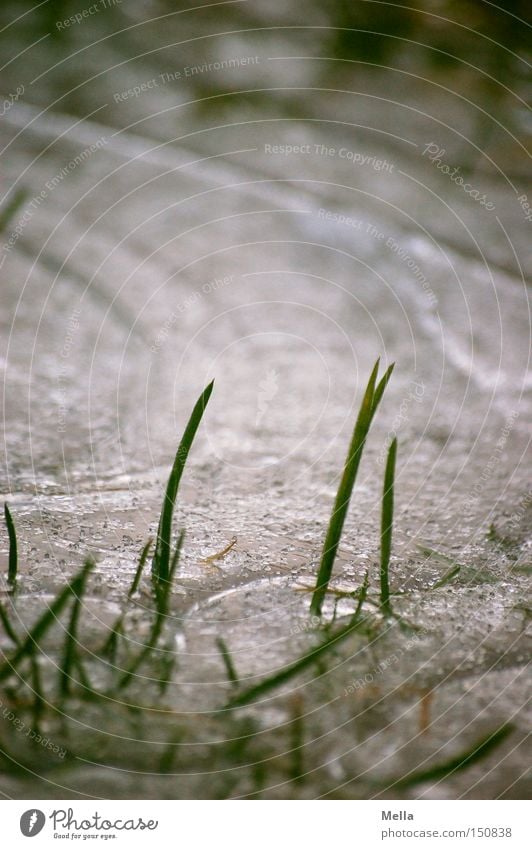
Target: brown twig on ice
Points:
(220, 554)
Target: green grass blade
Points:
(313, 656)
(110, 646)
(447, 578)
(8, 628)
(381, 386)
(168, 663)
(28, 646)
(387, 526)
(163, 586)
(11, 208)
(161, 558)
(480, 750)
(438, 556)
(368, 409)
(140, 568)
(83, 677)
(228, 661)
(162, 598)
(71, 641)
(13, 551)
(39, 702)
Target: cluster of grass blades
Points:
(162, 588)
(164, 565)
(165, 562)
(29, 649)
(370, 402)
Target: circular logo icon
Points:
(32, 822)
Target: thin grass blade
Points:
(110, 646)
(447, 578)
(161, 558)
(228, 661)
(162, 598)
(381, 386)
(140, 568)
(39, 702)
(8, 627)
(480, 750)
(313, 656)
(387, 526)
(367, 410)
(11, 208)
(71, 641)
(13, 551)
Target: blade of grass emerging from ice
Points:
(370, 402)
(437, 773)
(313, 656)
(228, 661)
(387, 526)
(28, 646)
(469, 575)
(140, 568)
(162, 598)
(111, 644)
(161, 558)
(13, 552)
(71, 642)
